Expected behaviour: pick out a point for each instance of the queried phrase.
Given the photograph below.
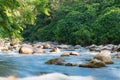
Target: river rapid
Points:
(33, 67)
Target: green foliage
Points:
(78, 22)
(15, 14)
(108, 25)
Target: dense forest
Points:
(81, 22)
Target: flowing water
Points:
(27, 66)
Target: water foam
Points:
(54, 76)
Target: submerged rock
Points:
(71, 64)
(55, 61)
(93, 64)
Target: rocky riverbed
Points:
(54, 61)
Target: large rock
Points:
(55, 61)
(104, 56)
(26, 50)
(93, 64)
(55, 50)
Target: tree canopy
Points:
(68, 21)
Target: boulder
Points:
(26, 50)
(55, 61)
(104, 56)
(55, 50)
(93, 64)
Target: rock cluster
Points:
(110, 47)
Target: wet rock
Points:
(55, 50)
(71, 64)
(70, 53)
(104, 56)
(93, 64)
(55, 61)
(26, 50)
